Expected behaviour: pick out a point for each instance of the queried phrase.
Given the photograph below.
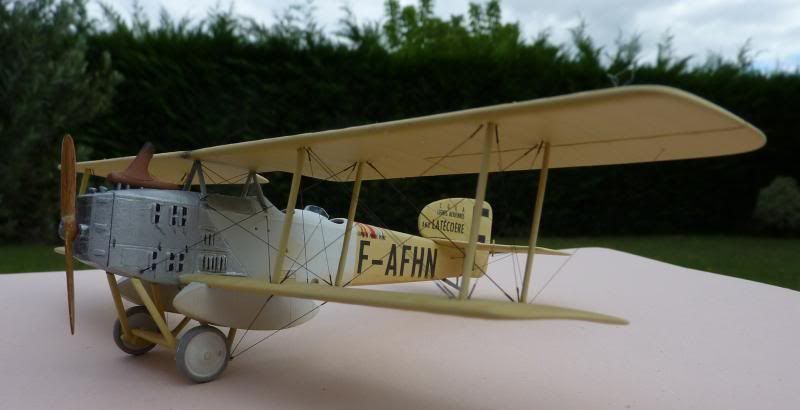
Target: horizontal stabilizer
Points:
(498, 248)
(485, 309)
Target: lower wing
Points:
(486, 309)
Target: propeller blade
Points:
(68, 178)
(68, 182)
(70, 286)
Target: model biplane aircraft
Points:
(240, 262)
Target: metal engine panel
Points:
(156, 235)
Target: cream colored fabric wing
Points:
(484, 309)
(171, 167)
(613, 126)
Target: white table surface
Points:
(696, 340)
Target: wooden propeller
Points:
(68, 219)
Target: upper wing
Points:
(613, 126)
(172, 167)
(486, 309)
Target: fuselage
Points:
(158, 235)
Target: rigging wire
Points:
(555, 274)
(191, 246)
(444, 290)
(294, 261)
(333, 176)
(442, 158)
(276, 330)
(461, 250)
(348, 283)
(537, 147)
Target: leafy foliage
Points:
(222, 79)
(46, 88)
(778, 206)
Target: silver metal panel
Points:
(159, 234)
(153, 234)
(93, 214)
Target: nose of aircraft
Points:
(82, 228)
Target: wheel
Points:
(138, 318)
(202, 353)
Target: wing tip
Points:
(563, 313)
(611, 320)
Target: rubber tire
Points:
(138, 318)
(215, 353)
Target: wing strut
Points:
(480, 194)
(537, 217)
(189, 178)
(287, 221)
(351, 215)
(85, 181)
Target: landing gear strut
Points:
(138, 318)
(201, 354)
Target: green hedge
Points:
(224, 79)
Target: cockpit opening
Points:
(317, 210)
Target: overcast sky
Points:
(698, 26)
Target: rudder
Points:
(451, 218)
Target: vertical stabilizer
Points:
(450, 219)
